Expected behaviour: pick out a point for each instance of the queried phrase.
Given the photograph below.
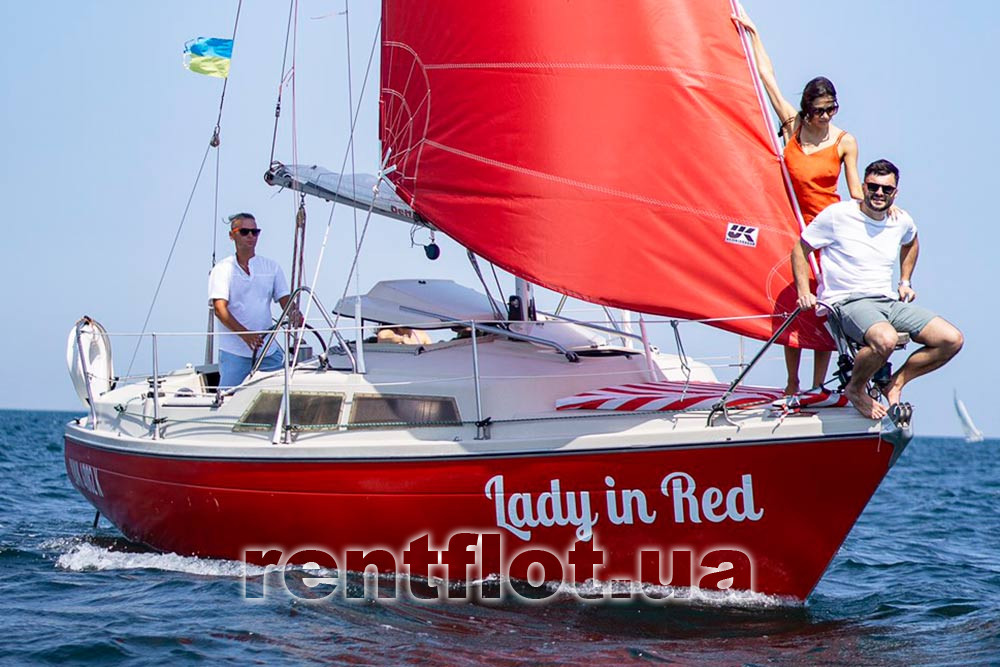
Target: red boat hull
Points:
(786, 506)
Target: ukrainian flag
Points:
(209, 55)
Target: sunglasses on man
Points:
(246, 232)
(875, 187)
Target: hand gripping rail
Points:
(284, 314)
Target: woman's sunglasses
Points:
(821, 111)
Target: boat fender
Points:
(93, 340)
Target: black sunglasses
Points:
(256, 232)
(875, 187)
(829, 111)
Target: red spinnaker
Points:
(612, 151)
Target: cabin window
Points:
(309, 411)
(390, 411)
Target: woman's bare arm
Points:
(786, 112)
(849, 156)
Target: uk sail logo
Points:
(742, 234)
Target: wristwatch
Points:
(905, 283)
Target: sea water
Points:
(917, 582)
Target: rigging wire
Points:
(210, 328)
(354, 170)
(284, 77)
(170, 254)
(214, 142)
(489, 297)
(497, 278)
(222, 98)
(299, 246)
(343, 164)
(215, 206)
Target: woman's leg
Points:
(821, 362)
(792, 357)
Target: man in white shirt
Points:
(241, 289)
(860, 242)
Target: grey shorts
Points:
(857, 315)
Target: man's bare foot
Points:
(792, 388)
(894, 392)
(864, 403)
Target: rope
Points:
(681, 354)
(299, 250)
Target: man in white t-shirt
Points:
(241, 289)
(859, 243)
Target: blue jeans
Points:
(234, 369)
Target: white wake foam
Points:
(83, 556)
(672, 595)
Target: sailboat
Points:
(972, 434)
(619, 153)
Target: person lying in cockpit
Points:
(402, 336)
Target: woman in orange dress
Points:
(816, 151)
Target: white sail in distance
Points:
(972, 434)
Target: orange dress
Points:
(814, 176)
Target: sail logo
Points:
(742, 234)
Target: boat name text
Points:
(519, 512)
(85, 477)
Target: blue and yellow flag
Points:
(209, 55)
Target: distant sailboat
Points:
(972, 434)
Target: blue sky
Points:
(104, 132)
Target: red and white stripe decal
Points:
(670, 396)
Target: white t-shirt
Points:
(857, 253)
(249, 297)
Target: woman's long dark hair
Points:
(818, 87)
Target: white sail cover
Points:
(357, 190)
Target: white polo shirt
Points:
(249, 297)
(857, 253)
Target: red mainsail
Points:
(612, 151)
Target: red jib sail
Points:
(612, 151)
